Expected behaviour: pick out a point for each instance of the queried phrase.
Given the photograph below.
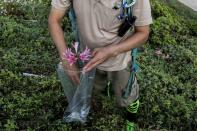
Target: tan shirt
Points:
(98, 25)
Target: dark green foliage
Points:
(168, 82)
(168, 26)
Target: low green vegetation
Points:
(167, 78)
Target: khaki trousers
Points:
(119, 80)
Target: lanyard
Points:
(126, 3)
(127, 6)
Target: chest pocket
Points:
(106, 15)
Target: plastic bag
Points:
(79, 97)
(68, 87)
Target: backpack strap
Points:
(134, 51)
(128, 9)
(72, 18)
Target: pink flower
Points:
(70, 56)
(75, 45)
(85, 55)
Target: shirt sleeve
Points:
(142, 10)
(62, 5)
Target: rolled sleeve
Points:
(62, 5)
(142, 10)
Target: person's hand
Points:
(72, 71)
(99, 56)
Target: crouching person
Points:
(111, 29)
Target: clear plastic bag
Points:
(79, 97)
(68, 87)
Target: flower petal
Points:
(75, 45)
